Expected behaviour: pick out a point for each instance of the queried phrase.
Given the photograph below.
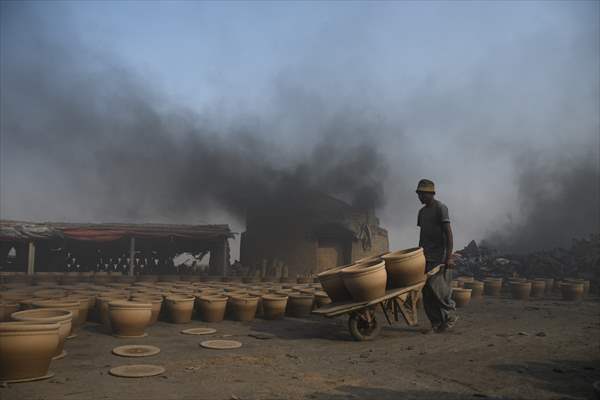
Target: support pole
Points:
(131, 255)
(31, 259)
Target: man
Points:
(436, 240)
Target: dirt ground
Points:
(500, 348)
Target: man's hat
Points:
(425, 185)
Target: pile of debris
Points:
(582, 260)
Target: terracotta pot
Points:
(180, 308)
(586, 284)
(26, 349)
(492, 287)
(462, 279)
(365, 282)
(300, 305)
(85, 303)
(549, 285)
(476, 288)
(572, 291)
(243, 308)
(405, 267)
(6, 309)
(333, 285)
(156, 302)
(211, 308)
(520, 290)
(321, 299)
(73, 306)
(129, 318)
(49, 316)
(462, 297)
(102, 310)
(538, 288)
(274, 306)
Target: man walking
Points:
(436, 240)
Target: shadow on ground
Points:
(366, 393)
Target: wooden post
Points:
(31, 259)
(131, 255)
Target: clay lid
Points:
(135, 350)
(137, 370)
(128, 304)
(27, 326)
(199, 331)
(43, 315)
(221, 344)
(180, 298)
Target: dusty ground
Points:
(546, 349)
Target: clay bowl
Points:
(129, 318)
(572, 291)
(300, 305)
(156, 302)
(180, 308)
(333, 285)
(321, 299)
(6, 309)
(49, 316)
(274, 306)
(242, 308)
(365, 282)
(492, 287)
(211, 308)
(72, 306)
(476, 288)
(26, 349)
(520, 290)
(405, 267)
(538, 288)
(461, 296)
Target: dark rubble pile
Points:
(581, 260)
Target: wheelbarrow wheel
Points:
(362, 329)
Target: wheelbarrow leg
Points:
(408, 308)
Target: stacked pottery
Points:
(211, 308)
(49, 316)
(405, 267)
(476, 288)
(461, 296)
(538, 288)
(365, 282)
(129, 318)
(333, 285)
(243, 307)
(274, 306)
(26, 350)
(572, 291)
(492, 286)
(520, 290)
(299, 305)
(72, 306)
(180, 308)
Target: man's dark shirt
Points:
(432, 238)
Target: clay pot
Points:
(365, 282)
(102, 310)
(49, 316)
(333, 285)
(321, 299)
(50, 293)
(26, 349)
(405, 267)
(129, 318)
(211, 308)
(73, 306)
(520, 290)
(85, 303)
(476, 288)
(6, 309)
(538, 288)
(586, 284)
(300, 305)
(243, 308)
(572, 291)
(454, 284)
(462, 297)
(462, 279)
(180, 308)
(492, 287)
(156, 302)
(274, 306)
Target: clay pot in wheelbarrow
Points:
(333, 285)
(156, 302)
(6, 309)
(365, 282)
(461, 296)
(26, 350)
(274, 306)
(476, 289)
(492, 287)
(129, 318)
(73, 306)
(243, 308)
(520, 290)
(572, 291)
(180, 308)
(405, 267)
(211, 307)
(49, 316)
(538, 288)
(299, 305)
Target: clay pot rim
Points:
(27, 327)
(476, 283)
(301, 296)
(333, 272)
(25, 315)
(126, 304)
(572, 284)
(462, 290)
(213, 299)
(274, 297)
(180, 299)
(153, 300)
(363, 269)
(245, 299)
(56, 304)
(526, 283)
(403, 254)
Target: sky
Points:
(496, 102)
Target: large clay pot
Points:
(300, 305)
(520, 290)
(26, 349)
(72, 306)
(538, 288)
(405, 267)
(492, 287)
(333, 284)
(103, 309)
(365, 282)
(462, 279)
(156, 302)
(129, 318)
(549, 285)
(47, 315)
(572, 291)
(461, 296)
(586, 284)
(476, 288)
(6, 309)
(274, 306)
(180, 308)
(243, 308)
(211, 308)
(85, 303)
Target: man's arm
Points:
(449, 244)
